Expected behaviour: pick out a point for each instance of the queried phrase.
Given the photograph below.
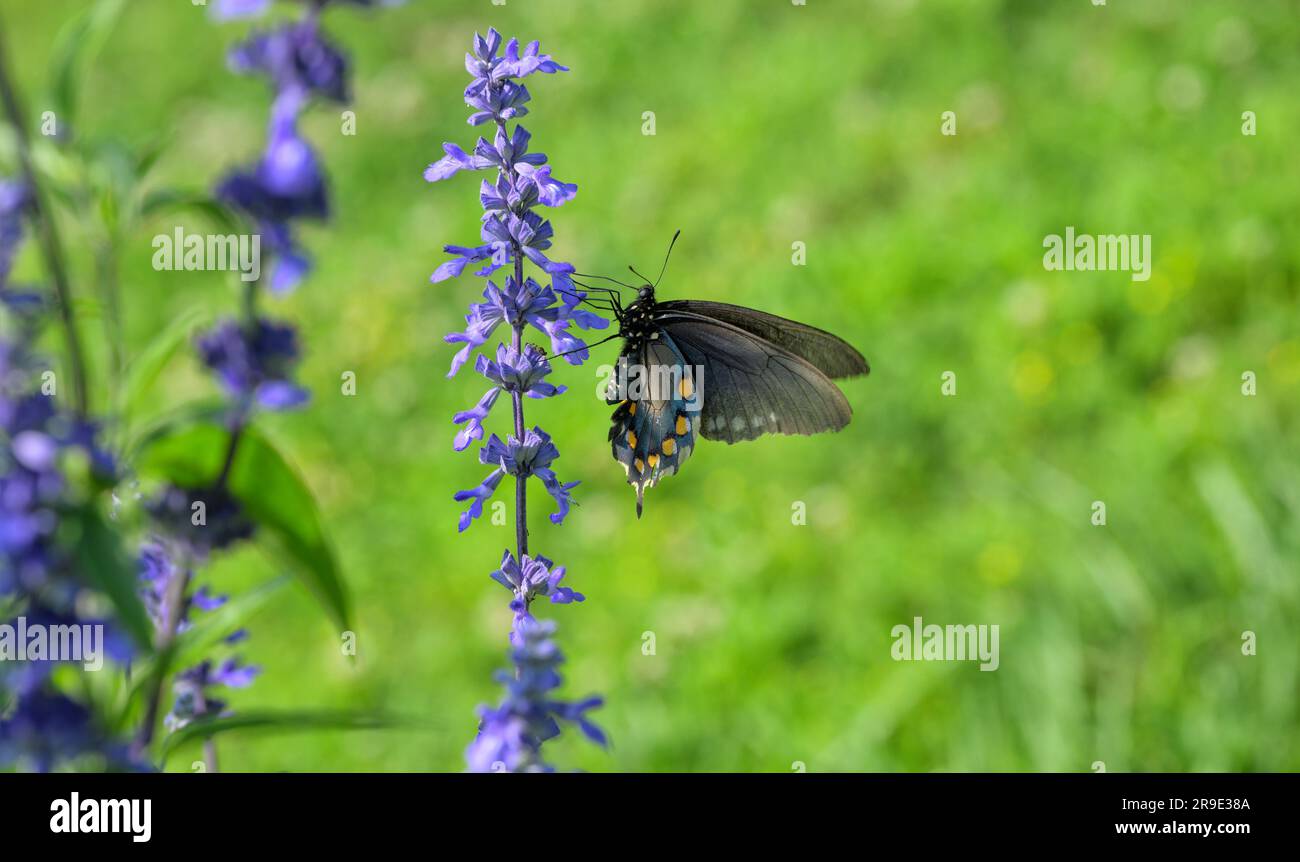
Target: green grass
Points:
(820, 124)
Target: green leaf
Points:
(146, 155)
(75, 47)
(294, 721)
(107, 567)
(144, 369)
(172, 200)
(272, 493)
(209, 411)
(192, 645)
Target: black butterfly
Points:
(721, 371)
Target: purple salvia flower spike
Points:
(512, 235)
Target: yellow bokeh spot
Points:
(1180, 267)
(1150, 296)
(999, 563)
(1032, 375)
(1284, 361)
(1080, 343)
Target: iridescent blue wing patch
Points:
(653, 429)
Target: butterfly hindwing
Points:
(653, 429)
(751, 386)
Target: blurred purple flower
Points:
(42, 574)
(296, 58)
(285, 185)
(47, 730)
(227, 10)
(13, 198)
(201, 520)
(162, 579)
(254, 366)
(193, 690)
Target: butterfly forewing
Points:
(751, 386)
(828, 353)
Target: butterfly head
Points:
(637, 313)
(636, 321)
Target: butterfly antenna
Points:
(644, 280)
(664, 268)
(605, 278)
(609, 296)
(551, 356)
(587, 299)
(593, 288)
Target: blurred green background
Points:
(820, 124)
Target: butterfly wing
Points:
(828, 353)
(653, 429)
(751, 386)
